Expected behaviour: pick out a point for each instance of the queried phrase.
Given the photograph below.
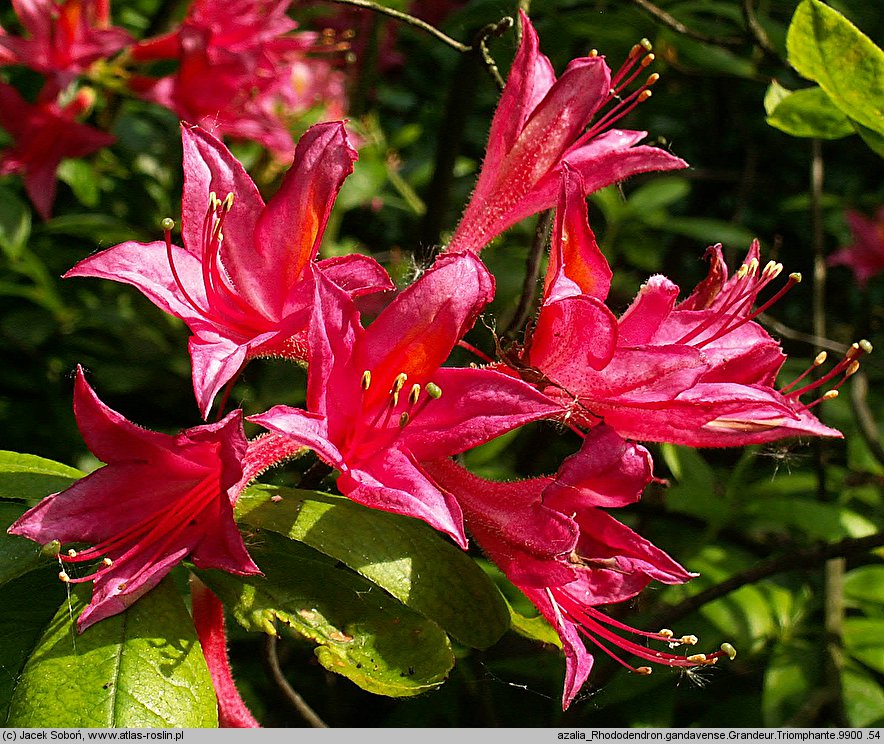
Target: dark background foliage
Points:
(720, 512)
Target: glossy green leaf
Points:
(863, 697)
(865, 585)
(806, 113)
(402, 555)
(82, 177)
(29, 603)
(18, 555)
(360, 631)
(30, 478)
(142, 668)
(828, 49)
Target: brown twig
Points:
(298, 703)
(532, 274)
(676, 25)
(757, 30)
(489, 31)
(868, 429)
(802, 558)
(807, 338)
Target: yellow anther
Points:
(107, 562)
(121, 587)
(830, 395)
(648, 60)
(795, 276)
(213, 201)
(852, 369)
(729, 650)
(433, 390)
(646, 45)
(866, 346)
(645, 95)
(593, 53)
(689, 640)
(698, 659)
(366, 380)
(652, 78)
(64, 577)
(644, 670)
(72, 553)
(636, 50)
(228, 202)
(414, 394)
(168, 223)
(742, 271)
(403, 419)
(820, 359)
(753, 267)
(395, 395)
(665, 633)
(399, 382)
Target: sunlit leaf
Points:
(142, 668)
(402, 555)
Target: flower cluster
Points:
(383, 408)
(242, 69)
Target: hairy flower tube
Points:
(239, 280)
(158, 500)
(542, 122)
(552, 539)
(700, 372)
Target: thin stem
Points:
(676, 25)
(298, 703)
(495, 30)
(757, 30)
(409, 20)
(867, 426)
(802, 558)
(532, 274)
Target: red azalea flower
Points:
(700, 372)
(379, 402)
(541, 122)
(238, 282)
(159, 499)
(261, 74)
(65, 37)
(551, 538)
(865, 256)
(43, 135)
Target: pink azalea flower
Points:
(43, 135)
(159, 499)
(551, 538)
(379, 402)
(238, 282)
(865, 256)
(262, 77)
(541, 122)
(700, 372)
(65, 37)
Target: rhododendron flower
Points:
(551, 538)
(541, 122)
(242, 72)
(865, 256)
(43, 135)
(379, 402)
(700, 372)
(158, 499)
(238, 282)
(65, 37)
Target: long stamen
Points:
(168, 224)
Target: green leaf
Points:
(864, 640)
(30, 478)
(807, 113)
(361, 632)
(15, 224)
(705, 230)
(657, 194)
(404, 556)
(865, 585)
(792, 674)
(863, 698)
(828, 49)
(873, 140)
(18, 555)
(141, 668)
(29, 603)
(82, 177)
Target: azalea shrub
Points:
(422, 365)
